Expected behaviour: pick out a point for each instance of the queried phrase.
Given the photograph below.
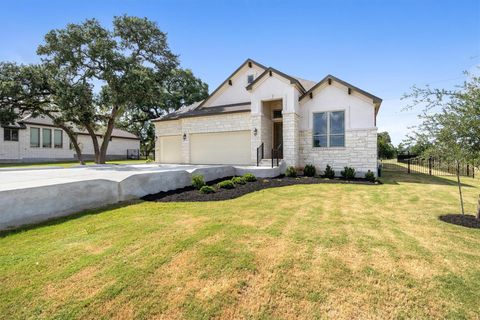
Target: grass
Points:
(306, 251)
(65, 164)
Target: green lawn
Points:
(306, 251)
(66, 164)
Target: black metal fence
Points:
(433, 166)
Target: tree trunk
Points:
(107, 135)
(478, 208)
(73, 140)
(96, 148)
(460, 187)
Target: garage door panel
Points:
(220, 148)
(170, 149)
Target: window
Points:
(58, 138)
(277, 114)
(10, 134)
(34, 137)
(329, 129)
(250, 78)
(46, 138)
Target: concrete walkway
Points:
(35, 195)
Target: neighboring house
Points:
(327, 122)
(37, 139)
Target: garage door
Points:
(171, 149)
(220, 148)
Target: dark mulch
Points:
(467, 220)
(189, 194)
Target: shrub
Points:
(348, 173)
(239, 180)
(207, 189)
(149, 160)
(250, 177)
(329, 172)
(369, 176)
(226, 184)
(198, 181)
(291, 172)
(309, 170)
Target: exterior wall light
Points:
(184, 137)
(255, 131)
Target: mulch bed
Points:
(467, 220)
(189, 194)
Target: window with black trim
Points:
(10, 134)
(58, 138)
(35, 137)
(329, 129)
(46, 138)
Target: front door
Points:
(278, 137)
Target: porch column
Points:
(291, 138)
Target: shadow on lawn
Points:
(394, 173)
(466, 220)
(59, 220)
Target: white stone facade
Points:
(298, 101)
(360, 152)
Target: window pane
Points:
(34, 137)
(337, 122)
(47, 138)
(337, 140)
(319, 123)
(58, 139)
(320, 141)
(14, 134)
(6, 134)
(250, 78)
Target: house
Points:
(261, 108)
(38, 139)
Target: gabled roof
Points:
(375, 99)
(270, 71)
(226, 80)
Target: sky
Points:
(383, 47)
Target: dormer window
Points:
(250, 78)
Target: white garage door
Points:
(220, 148)
(171, 149)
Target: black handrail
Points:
(259, 150)
(275, 154)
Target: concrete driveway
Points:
(20, 178)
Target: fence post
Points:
(430, 165)
(408, 161)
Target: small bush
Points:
(239, 180)
(370, 176)
(226, 184)
(329, 172)
(309, 170)
(198, 181)
(207, 189)
(291, 172)
(149, 160)
(348, 173)
(250, 177)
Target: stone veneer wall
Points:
(291, 139)
(360, 152)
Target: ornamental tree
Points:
(127, 65)
(450, 123)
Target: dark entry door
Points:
(278, 137)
